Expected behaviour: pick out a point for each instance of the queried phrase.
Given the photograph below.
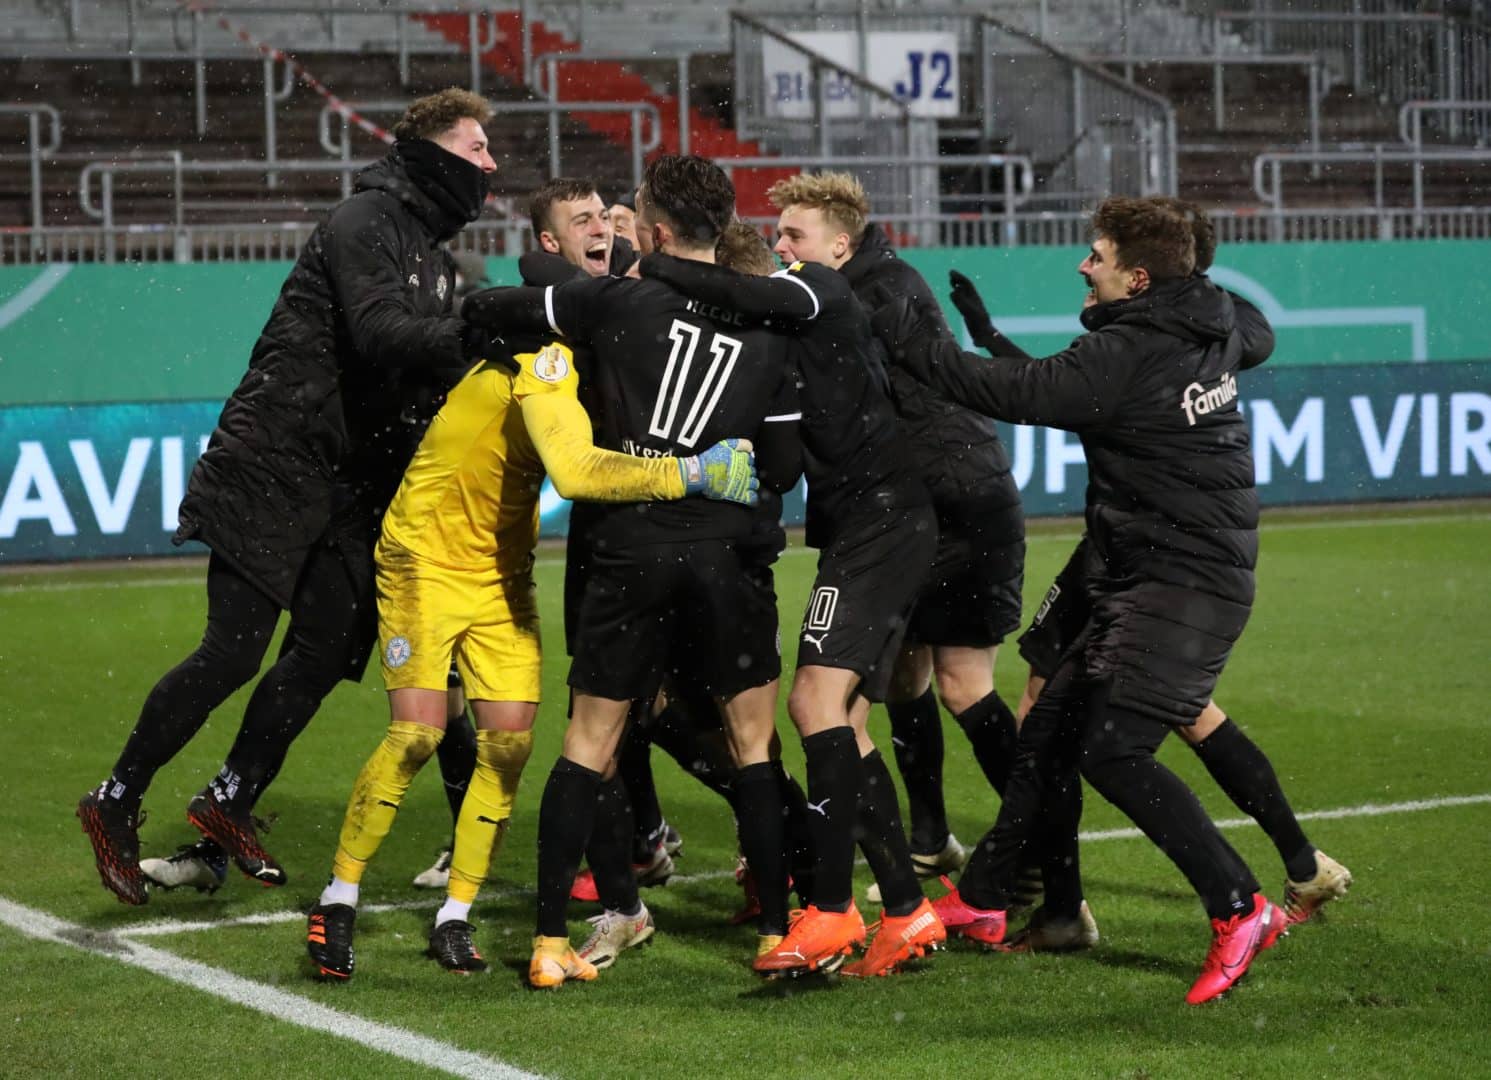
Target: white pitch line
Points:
(167, 927)
(1364, 810)
(793, 552)
(278, 1004)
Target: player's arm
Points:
(369, 285)
(785, 295)
(1257, 334)
(1074, 389)
(561, 432)
(566, 309)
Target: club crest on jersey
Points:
(1197, 400)
(414, 280)
(396, 654)
(550, 364)
(440, 286)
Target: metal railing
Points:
(282, 241)
(1268, 168)
(976, 213)
(1455, 120)
(1088, 130)
(36, 149)
(1398, 55)
(543, 78)
(817, 107)
(642, 142)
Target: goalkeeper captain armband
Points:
(726, 471)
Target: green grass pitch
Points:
(1364, 675)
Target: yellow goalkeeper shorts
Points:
(428, 614)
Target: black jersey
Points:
(671, 377)
(853, 454)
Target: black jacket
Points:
(1172, 513)
(955, 451)
(347, 371)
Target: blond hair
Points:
(741, 247)
(838, 196)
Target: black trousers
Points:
(332, 624)
(1073, 730)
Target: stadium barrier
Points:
(111, 379)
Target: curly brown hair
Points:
(741, 247)
(434, 114)
(1149, 234)
(839, 196)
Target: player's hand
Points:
(726, 471)
(479, 343)
(971, 306)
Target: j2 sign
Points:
(920, 69)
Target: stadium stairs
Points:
(600, 80)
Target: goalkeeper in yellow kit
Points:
(455, 578)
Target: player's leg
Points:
(422, 611)
(240, 623)
(457, 760)
(1039, 813)
(500, 660)
(827, 930)
(1244, 772)
(328, 639)
(1118, 759)
(916, 738)
(617, 659)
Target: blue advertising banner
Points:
(97, 481)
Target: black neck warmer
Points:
(456, 187)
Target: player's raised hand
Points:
(975, 314)
(727, 471)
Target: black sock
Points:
(565, 818)
(634, 769)
(990, 727)
(834, 781)
(916, 736)
(760, 823)
(688, 736)
(883, 841)
(457, 756)
(609, 849)
(797, 837)
(1244, 772)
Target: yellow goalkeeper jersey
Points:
(470, 495)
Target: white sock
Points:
(452, 909)
(338, 891)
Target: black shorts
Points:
(688, 609)
(1060, 618)
(972, 594)
(868, 579)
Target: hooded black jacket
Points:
(347, 371)
(1172, 512)
(955, 451)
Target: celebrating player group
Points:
(377, 471)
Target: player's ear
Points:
(548, 243)
(1138, 280)
(660, 237)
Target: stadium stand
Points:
(1334, 119)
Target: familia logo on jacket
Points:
(1197, 400)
